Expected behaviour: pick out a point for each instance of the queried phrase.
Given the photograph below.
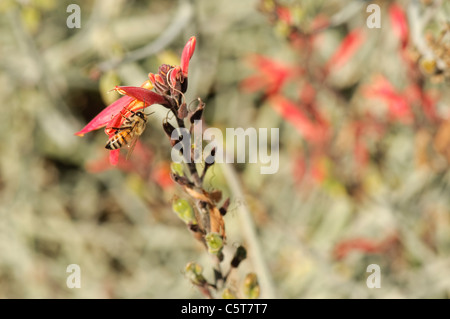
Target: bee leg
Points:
(120, 128)
(127, 120)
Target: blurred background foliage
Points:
(364, 145)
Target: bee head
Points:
(141, 115)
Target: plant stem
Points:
(249, 232)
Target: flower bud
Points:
(195, 274)
(152, 78)
(147, 85)
(210, 159)
(228, 294)
(214, 242)
(197, 114)
(251, 286)
(177, 168)
(223, 210)
(182, 111)
(239, 255)
(188, 51)
(184, 211)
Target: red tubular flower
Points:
(175, 76)
(141, 94)
(152, 78)
(399, 23)
(160, 84)
(309, 169)
(114, 156)
(186, 56)
(311, 131)
(105, 116)
(161, 175)
(111, 115)
(348, 47)
(168, 83)
(284, 14)
(272, 75)
(398, 103)
(426, 99)
(307, 94)
(365, 246)
(360, 152)
(138, 163)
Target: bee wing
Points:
(131, 146)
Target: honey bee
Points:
(128, 133)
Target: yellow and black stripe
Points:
(118, 140)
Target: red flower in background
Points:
(427, 99)
(360, 133)
(365, 246)
(400, 103)
(138, 164)
(271, 75)
(168, 83)
(397, 102)
(313, 132)
(284, 14)
(309, 169)
(399, 23)
(346, 50)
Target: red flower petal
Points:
(106, 115)
(320, 22)
(151, 77)
(161, 175)
(267, 65)
(399, 23)
(253, 83)
(188, 51)
(272, 75)
(313, 132)
(308, 94)
(360, 152)
(158, 78)
(342, 249)
(348, 47)
(318, 169)
(429, 106)
(138, 163)
(141, 94)
(284, 14)
(415, 94)
(397, 103)
(175, 74)
(118, 119)
(114, 156)
(98, 165)
(366, 246)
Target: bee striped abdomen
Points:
(118, 140)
